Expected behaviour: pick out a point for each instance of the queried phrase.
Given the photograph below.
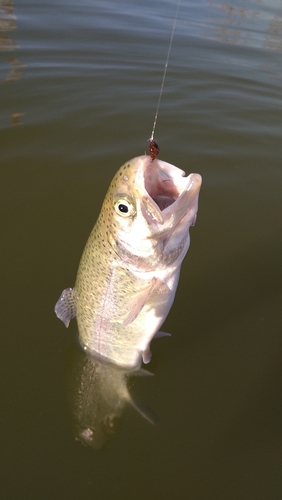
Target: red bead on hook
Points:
(154, 149)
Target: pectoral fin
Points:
(136, 305)
(65, 307)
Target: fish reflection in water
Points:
(98, 393)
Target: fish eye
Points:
(124, 206)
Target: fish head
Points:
(150, 207)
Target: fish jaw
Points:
(169, 195)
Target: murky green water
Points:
(78, 90)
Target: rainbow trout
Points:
(129, 270)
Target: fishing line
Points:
(154, 149)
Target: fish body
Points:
(129, 270)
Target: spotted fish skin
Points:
(129, 270)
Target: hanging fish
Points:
(129, 270)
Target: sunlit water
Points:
(79, 85)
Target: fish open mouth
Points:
(160, 186)
(170, 194)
